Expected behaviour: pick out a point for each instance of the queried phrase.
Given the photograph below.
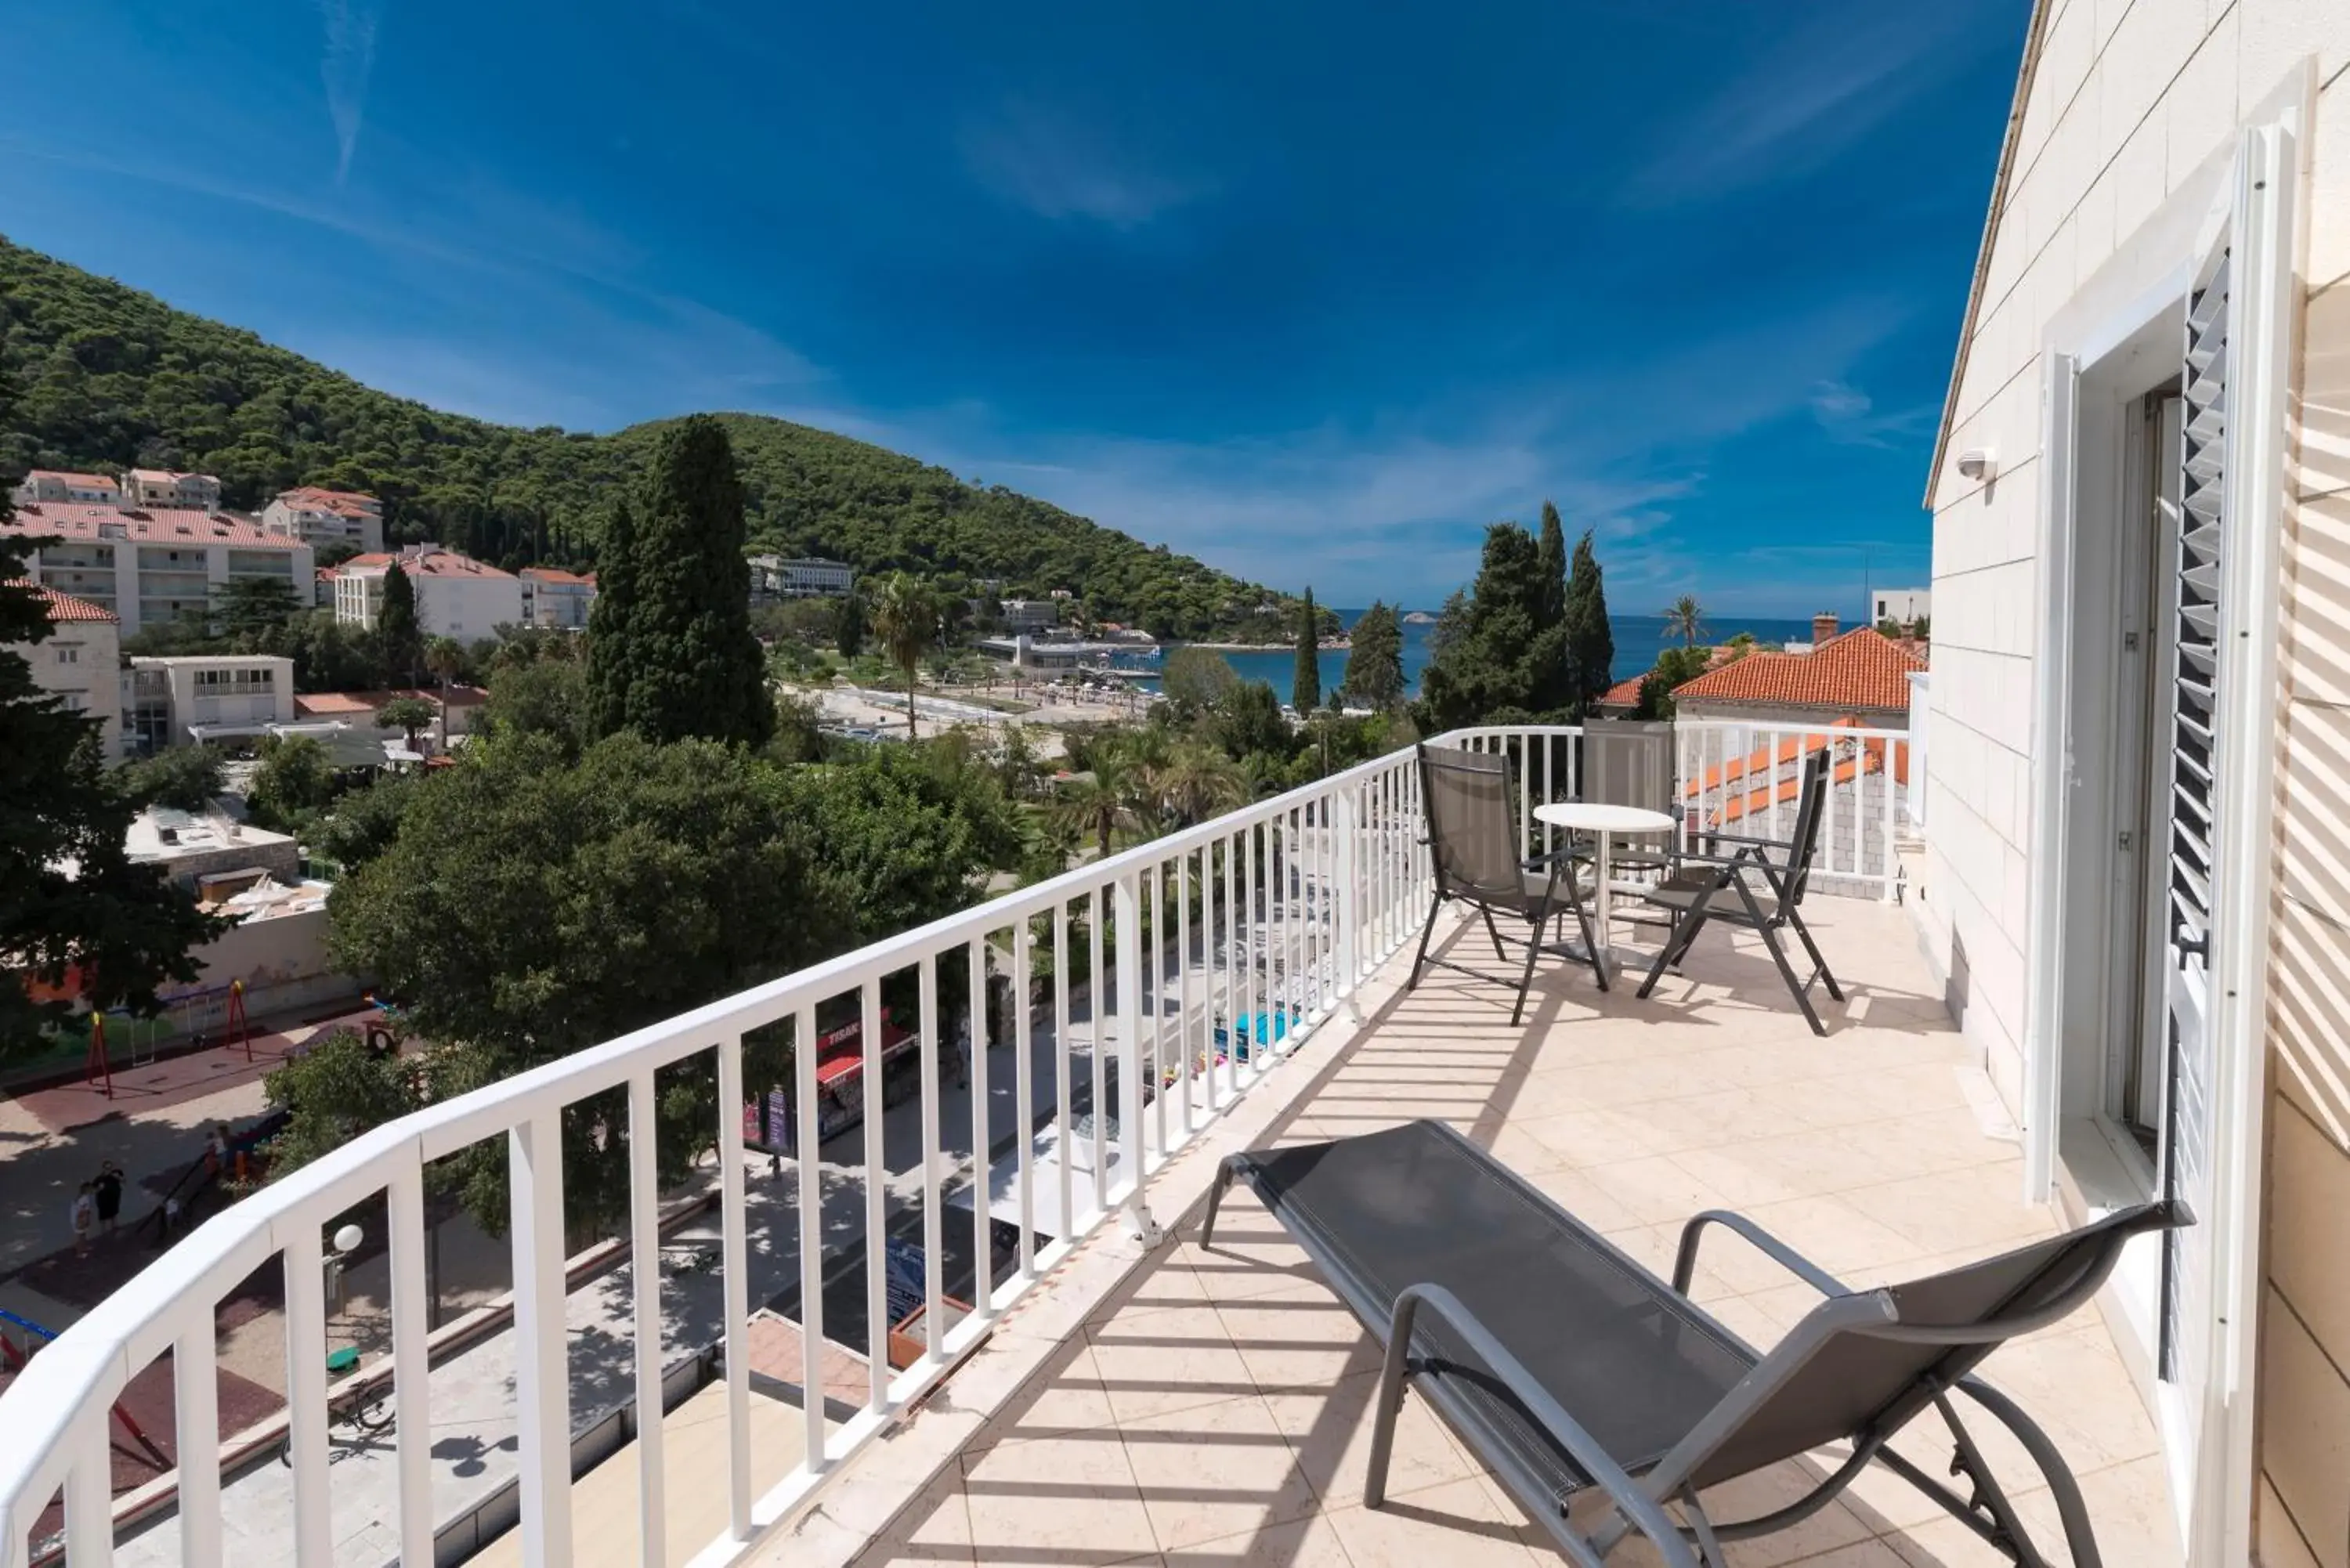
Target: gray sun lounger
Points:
(1599, 1393)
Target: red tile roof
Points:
(65, 606)
(347, 704)
(439, 564)
(1625, 693)
(1860, 669)
(86, 480)
(348, 503)
(552, 574)
(147, 525)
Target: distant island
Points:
(1418, 618)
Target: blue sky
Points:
(1311, 291)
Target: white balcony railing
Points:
(1747, 778)
(1281, 909)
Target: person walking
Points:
(108, 1190)
(85, 1220)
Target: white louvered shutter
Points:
(2197, 606)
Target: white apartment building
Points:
(1907, 606)
(78, 659)
(153, 567)
(160, 487)
(174, 701)
(776, 577)
(55, 485)
(320, 516)
(556, 598)
(456, 595)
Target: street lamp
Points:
(347, 1241)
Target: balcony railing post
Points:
(410, 1367)
(542, 1366)
(734, 1284)
(1139, 1221)
(1343, 815)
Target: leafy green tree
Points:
(1306, 681)
(1675, 667)
(120, 927)
(1195, 679)
(799, 732)
(1248, 721)
(1590, 644)
(295, 782)
(680, 661)
(849, 628)
(411, 715)
(253, 606)
(531, 907)
(547, 696)
(398, 637)
(1375, 659)
(1740, 644)
(915, 831)
(906, 620)
(183, 777)
(365, 821)
(1685, 618)
(337, 1089)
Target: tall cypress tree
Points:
(609, 654)
(1305, 685)
(684, 652)
(1551, 562)
(399, 635)
(1590, 645)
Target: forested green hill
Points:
(110, 376)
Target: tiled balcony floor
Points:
(1215, 1410)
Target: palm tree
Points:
(1195, 783)
(444, 656)
(1096, 803)
(1686, 620)
(905, 619)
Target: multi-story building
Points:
(556, 598)
(776, 577)
(151, 567)
(456, 595)
(160, 487)
(320, 516)
(172, 701)
(55, 485)
(1906, 606)
(77, 662)
(1030, 615)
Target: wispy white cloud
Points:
(1851, 417)
(1056, 167)
(1831, 80)
(349, 57)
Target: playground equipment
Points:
(15, 1357)
(194, 1013)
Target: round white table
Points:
(1602, 821)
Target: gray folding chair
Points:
(1473, 838)
(1599, 1395)
(1629, 762)
(1717, 886)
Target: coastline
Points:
(1334, 645)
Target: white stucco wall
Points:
(2129, 101)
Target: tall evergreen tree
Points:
(608, 649)
(1483, 670)
(849, 629)
(1590, 645)
(398, 637)
(684, 657)
(1305, 685)
(1375, 659)
(1553, 566)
